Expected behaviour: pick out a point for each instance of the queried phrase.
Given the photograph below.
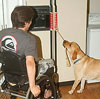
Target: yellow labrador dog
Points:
(85, 67)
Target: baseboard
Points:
(66, 83)
(93, 81)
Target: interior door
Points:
(1, 15)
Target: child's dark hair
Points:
(20, 15)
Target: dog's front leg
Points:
(82, 86)
(74, 86)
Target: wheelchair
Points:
(14, 81)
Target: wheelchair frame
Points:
(28, 95)
(40, 80)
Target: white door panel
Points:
(9, 5)
(1, 15)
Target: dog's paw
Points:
(70, 92)
(79, 91)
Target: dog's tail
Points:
(67, 59)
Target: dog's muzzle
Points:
(65, 43)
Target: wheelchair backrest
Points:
(12, 63)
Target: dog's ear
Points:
(74, 56)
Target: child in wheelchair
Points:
(18, 56)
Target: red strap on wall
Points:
(51, 21)
(56, 23)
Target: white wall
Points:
(94, 6)
(72, 16)
(37, 2)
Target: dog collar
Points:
(77, 60)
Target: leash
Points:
(67, 58)
(59, 34)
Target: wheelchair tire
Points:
(13, 97)
(45, 83)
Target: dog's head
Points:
(72, 48)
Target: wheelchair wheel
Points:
(12, 97)
(3, 96)
(45, 83)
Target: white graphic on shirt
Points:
(9, 43)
